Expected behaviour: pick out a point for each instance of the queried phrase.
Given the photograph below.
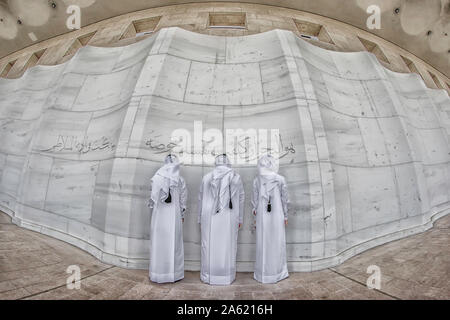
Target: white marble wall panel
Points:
(164, 76)
(10, 180)
(59, 131)
(107, 90)
(408, 191)
(66, 91)
(358, 66)
(120, 193)
(253, 48)
(40, 77)
(35, 181)
(134, 54)
(94, 60)
(420, 112)
(15, 136)
(343, 201)
(276, 80)
(71, 188)
(437, 178)
(348, 97)
(374, 142)
(156, 120)
(279, 127)
(13, 105)
(435, 146)
(345, 139)
(321, 59)
(365, 151)
(198, 47)
(210, 84)
(79, 135)
(380, 98)
(374, 196)
(395, 140)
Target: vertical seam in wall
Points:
(224, 149)
(144, 60)
(317, 151)
(294, 61)
(350, 199)
(78, 93)
(328, 151)
(134, 122)
(162, 42)
(87, 128)
(119, 56)
(93, 191)
(187, 81)
(397, 190)
(392, 166)
(226, 48)
(262, 84)
(404, 121)
(224, 142)
(320, 125)
(48, 183)
(363, 142)
(127, 79)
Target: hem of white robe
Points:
(218, 280)
(166, 277)
(271, 279)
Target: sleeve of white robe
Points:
(200, 200)
(150, 201)
(255, 195)
(284, 198)
(241, 201)
(183, 196)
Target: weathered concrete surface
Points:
(33, 266)
(366, 150)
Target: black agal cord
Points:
(269, 206)
(169, 198)
(230, 205)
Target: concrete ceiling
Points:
(409, 28)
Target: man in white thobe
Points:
(270, 206)
(221, 211)
(168, 200)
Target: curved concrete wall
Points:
(367, 156)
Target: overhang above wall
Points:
(419, 26)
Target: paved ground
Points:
(33, 266)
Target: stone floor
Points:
(33, 266)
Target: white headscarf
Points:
(268, 173)
(221, 182)
(165, 178)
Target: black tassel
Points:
(269, 206)
(169, 198)
(230, 205)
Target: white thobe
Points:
(219, 232)
(270, 264)
(166, 237)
